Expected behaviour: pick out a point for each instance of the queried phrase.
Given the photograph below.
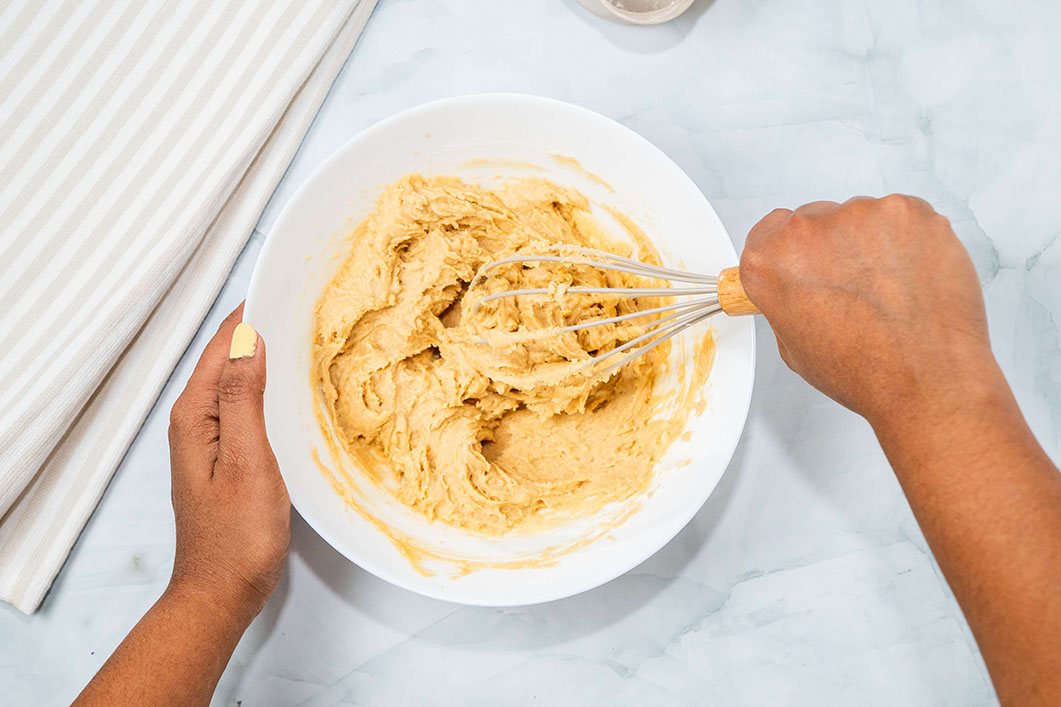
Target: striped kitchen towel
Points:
(139, 142)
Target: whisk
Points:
(709, 295)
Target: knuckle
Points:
(753, 263)
(901, 204)
(178, 417)
(229, 456)
(800, 222)
(188, 421)
(860, 205)
(766, 230)
(822, 206)
(237, 385)
(919, 204)
(942, 221)
(757, 275)
(817, 210)
(234, 458)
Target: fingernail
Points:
(244, 341)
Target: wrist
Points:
(951, 387)
(226, 606)
(966, 404)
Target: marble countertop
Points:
(804, 579)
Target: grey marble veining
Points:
(804, 579)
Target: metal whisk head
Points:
(709, 295)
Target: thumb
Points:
(242, 441)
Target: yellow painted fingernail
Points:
(244, 341)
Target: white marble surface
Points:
(804, 580)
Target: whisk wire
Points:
(632, 291)
(659, 270)
(675, 330)
(638, 314)
(639, 269)
(678, 316)
(677, 321)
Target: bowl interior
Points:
(489, 139)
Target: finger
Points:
(768, 225)
(193, 429)
(242, 444)
(755, 259)
(212, 361)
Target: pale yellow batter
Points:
(496, 436)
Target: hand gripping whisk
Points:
(706, 296)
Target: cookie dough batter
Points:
(494, 436)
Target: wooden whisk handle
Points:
(731, 294)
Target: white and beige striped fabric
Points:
(139, 142)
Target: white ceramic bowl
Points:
(483, 139)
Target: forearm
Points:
(174, 655)
(989, 502)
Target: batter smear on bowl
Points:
(466, 416)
